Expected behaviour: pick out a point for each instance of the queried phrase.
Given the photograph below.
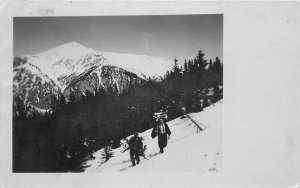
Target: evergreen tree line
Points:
(61, 140)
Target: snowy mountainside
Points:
(188, 149)
(33, 87)
(63, 63)
(104, 77)
(74, 67)
(142, 65)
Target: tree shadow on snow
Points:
(122, 162)
(126, 168)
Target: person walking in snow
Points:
(136, 148)
(163, 132)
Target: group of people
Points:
(161, 129)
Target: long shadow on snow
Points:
(122, 162)
(125, 168)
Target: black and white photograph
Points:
(142, 94)
(118, 93)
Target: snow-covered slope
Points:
(33, 87)
(188, 149)
(66, 62)
(142, 65)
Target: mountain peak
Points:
(73, 58)
(68, 49)
(72, 44)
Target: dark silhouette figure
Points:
(161, 130)
(136, 148)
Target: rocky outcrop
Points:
(33, 87)
(103, 77)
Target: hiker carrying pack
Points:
(136, 148)
(163, 132)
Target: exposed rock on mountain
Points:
(74, 67)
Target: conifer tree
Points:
(217, 64)
(185, 67)
(190, 65)
(210, 63)
(176, 69)
(200, 61)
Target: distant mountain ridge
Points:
(73, 66)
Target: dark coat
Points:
(162, 138)
(135, 144)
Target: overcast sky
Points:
(159, 36)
